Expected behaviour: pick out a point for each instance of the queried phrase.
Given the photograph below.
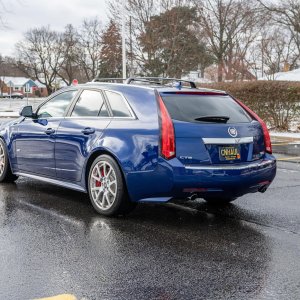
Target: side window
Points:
(90, 104)
(118, 105)
(56, 107)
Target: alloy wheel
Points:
(103, 185)
(2, 160)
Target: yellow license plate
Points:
(229, 153)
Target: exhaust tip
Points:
(263, 188)
(193, 197)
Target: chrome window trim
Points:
(99, 117)
(261, 164)
(222, 141)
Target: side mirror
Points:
(27, 112)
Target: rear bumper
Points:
(172, 179)
(229, 181)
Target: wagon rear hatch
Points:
(213, 128)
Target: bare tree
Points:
(4, 9)
(286, 14)
(278, 51)
(39, 55)
(69, 68)
(138, 13)
(89, 48)
(229, 26)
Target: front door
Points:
(35, 142)
(35, 146)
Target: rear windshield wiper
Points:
(217, 119)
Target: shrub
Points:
(277, 102)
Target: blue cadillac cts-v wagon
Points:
(140, 142)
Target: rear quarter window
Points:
(118, 105)
(189, 108)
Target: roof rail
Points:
(160, 80)
(151, 80)
(98, 79)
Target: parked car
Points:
(17, 95)
(4, 95)
(140, 142)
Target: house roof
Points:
(16, 81)
(39, 85)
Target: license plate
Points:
(229, 153)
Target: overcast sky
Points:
(21, 15)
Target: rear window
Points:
(205, 108)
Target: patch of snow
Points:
(39, 85)
(293, 75)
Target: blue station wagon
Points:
(144, 140)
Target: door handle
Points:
(88, 130)
(49, 131)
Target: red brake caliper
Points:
(98, 183)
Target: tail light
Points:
(267, 139)
(167, 142)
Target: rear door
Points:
(78, 132)
(211, 128)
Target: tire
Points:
(107, 191)
(6, 174)
(219, 201)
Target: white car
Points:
(17, 95)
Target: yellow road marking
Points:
(60, 297)
(289, 158)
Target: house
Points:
(41, 89)
(22, 85)
(3, 87)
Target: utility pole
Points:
(131, 49)
(123, 41)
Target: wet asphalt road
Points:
(52, 242)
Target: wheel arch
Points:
(91, 159)
(2, 138)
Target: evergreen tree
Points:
(111, 52)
